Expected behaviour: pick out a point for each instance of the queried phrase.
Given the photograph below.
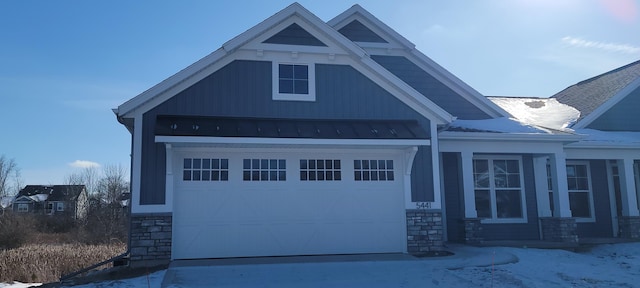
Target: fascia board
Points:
(440, 115)
(428, 65)
(484, 136)
(635, 84)
(292, 141)
(340, 20)
(458, 85)
(140, 103)
(604, 145)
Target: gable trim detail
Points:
(584, 122)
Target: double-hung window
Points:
(294, 81)
(499, 189)
(580, 196)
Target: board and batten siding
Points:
(357, 32)
(602, 227)
(430, 87)
(243, 88)
(623, 116)
(453, 198)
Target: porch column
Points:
(468, 187)
(628, 188)
(542, 187)
(558, 163)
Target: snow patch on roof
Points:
(544, 112)
(610, 137)
(499, 125)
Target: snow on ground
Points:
(615, 265)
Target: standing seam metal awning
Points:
(290, 128)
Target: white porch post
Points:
(628, 188)
(542, 191)
(559, 181)
(468, 187)
(169, 175)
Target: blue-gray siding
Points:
(454, 201)
(623, 116)
(244, 89)
(453, 195)
(430, 87)
(600, 188)
(294, 35)
(356, 31)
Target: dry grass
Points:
(47, 262)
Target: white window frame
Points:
(310, 97)
(23, 207)
(590, 191)
(59, 206)
(492, 190)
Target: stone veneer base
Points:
(151, 238)
(629, 227)
(425, 232)
(559, 229)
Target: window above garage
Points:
(294, 82)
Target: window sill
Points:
(295, 97)
(504, 221)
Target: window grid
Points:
(373, 170)
(293, 79)
(264, 170)
(498, 189)
(205, 169)
(320, 170)
(580, 199)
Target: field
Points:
(47, 262)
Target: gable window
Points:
(320, 170)
(580, 196)
(264, 170)
(499, 192)
(294, 82)
(373, 170)
(23, 207)
(207, 169)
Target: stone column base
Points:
(472, 231)
(424, 231)
(559, 229)
(629, 227)
(150, 238)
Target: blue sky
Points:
(65, 64)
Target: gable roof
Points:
(398, 42)
(210, 63)
(594, 96)
(54, 193)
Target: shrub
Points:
(15, 230)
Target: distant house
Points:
(52, 200)
(302, 137)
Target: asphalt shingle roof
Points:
(588, 95)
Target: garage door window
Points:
(205, 169)
(320, 170)
(264, 170)
(373, 170)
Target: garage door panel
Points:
(238, 218)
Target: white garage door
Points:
(304, 202)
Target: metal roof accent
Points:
(288, 128)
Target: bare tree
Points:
(8, 168)
(113, 183)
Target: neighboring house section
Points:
(304, 137)
(68, 200)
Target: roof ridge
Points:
(608, 73)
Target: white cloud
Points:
(84, 164)
(611, 47)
